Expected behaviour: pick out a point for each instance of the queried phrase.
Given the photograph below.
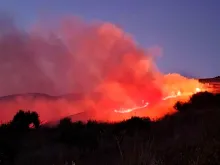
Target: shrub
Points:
(22, 120)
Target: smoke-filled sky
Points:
(105, 51)
(186, 30)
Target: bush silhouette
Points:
(22, 120)
(132, 125)
(66, 132)
(201, 100)
(136, 124)
(65, 123)
(181, 106)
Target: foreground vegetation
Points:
(190, 136)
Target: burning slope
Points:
(98, 60)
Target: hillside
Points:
(213, 83)
(32, 96)
(189, 137)
(51, 108)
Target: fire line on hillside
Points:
(145, 103)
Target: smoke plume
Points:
(98, 61)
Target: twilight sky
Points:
(188, 31)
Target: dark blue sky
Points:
(187, 30)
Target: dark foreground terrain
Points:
(191, 136)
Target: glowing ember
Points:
(198, 90)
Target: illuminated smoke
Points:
(96, 60)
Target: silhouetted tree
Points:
(22, 120)
(12, 133)
(33, 118)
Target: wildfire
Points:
(128, 110)
(178, 94)
(86, 58)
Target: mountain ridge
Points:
(78, 96)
